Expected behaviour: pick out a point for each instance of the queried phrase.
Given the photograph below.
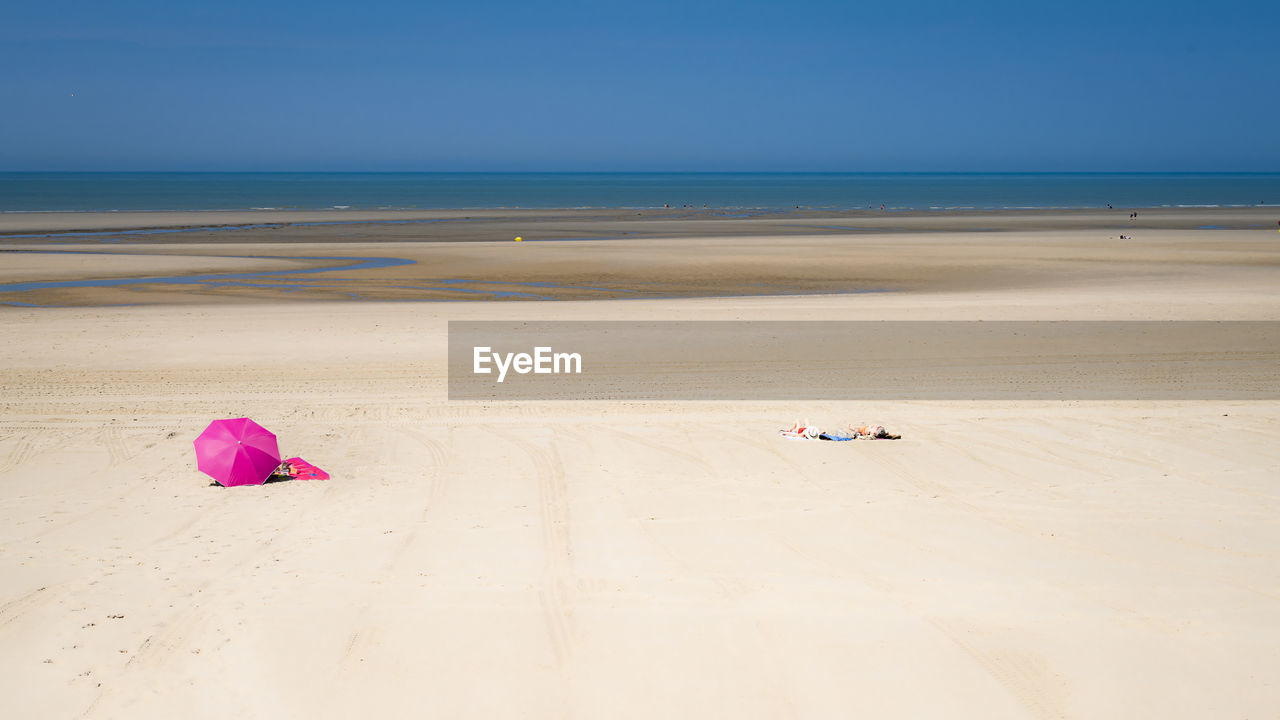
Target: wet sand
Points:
(499, 225)
(658, 256)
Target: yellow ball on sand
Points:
(519, 239)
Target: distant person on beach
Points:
(805, 429)
(872, 432)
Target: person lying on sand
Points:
(872, 432)
(805, 429)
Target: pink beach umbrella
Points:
(237, 452)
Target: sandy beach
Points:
(1011, 559)
(600, 254)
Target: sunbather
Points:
(872, 432)
(806, 429)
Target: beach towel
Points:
(793, 435)
(300, 469)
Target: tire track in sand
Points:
(366, 638)
(25, 448)
(553, 509)
(118, 452)
(438, 481)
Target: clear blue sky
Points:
(827, 86)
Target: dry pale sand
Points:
(545, 560)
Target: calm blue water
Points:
(920, 191)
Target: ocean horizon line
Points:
(53, 191)
(652, 172)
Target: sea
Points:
(99, 191)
